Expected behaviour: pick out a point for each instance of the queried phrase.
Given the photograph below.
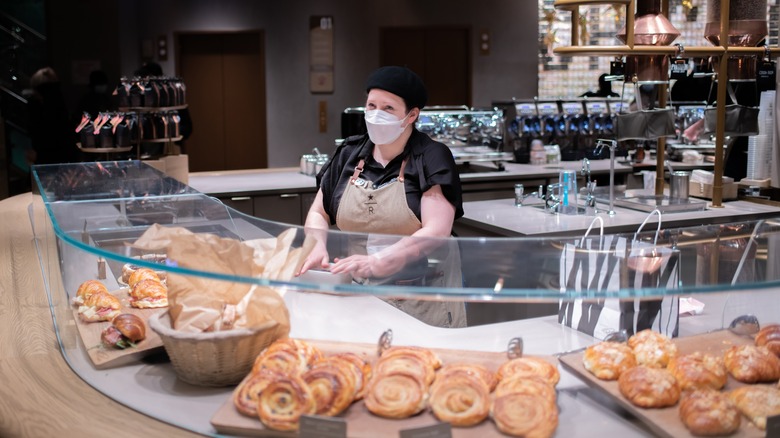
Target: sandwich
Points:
(149, 294)
(100, 306)
(125, 331)
(86, 289)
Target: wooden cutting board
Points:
(106, 357)
(666, 421)
(360, 422)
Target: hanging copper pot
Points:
(741, 68)
(647, 69)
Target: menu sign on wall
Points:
(321, 54)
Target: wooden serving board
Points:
(666, 421)
(360, 422)
(107, 357)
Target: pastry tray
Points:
(665, 422)
(360, 422)
(108, 357)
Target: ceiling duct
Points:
(651, 28)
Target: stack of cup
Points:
(760, 147)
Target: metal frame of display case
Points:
(722, 51)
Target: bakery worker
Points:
(393, 181)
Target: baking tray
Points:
(665, 422)
(360, 422)
(108, 357)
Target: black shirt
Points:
(430, 163)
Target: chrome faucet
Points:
(612, 145)
(590, 186)
(520, 198)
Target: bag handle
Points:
(657, 231)
(601, 232)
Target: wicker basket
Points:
(213, 359)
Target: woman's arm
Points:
(316, 227)
(437, 218)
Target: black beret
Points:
(400, 81)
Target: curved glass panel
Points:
(103, 208)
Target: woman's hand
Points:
(365, 266)
(318, 258)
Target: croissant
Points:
(649, 387)
(149, 294)
(608, 360)
(142, 274)
(707, 412)
(101, 306)
(757, 403)
(699, 370)
(769, 337)
(652, 349)
(751, 364)
(88, 288)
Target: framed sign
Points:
(321, 54)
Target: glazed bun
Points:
(148, 294)
(131, 326)
(142, 274)
(88, 288)
(101, 306)
(769, 337)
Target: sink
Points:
(663, 203)
(581, 211)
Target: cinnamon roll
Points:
(751, 364)
(283, 401)
(652, 349)
(461, 399)
(428, 357)
(355, 365)
(519, 384)
(480, 372)
(332, 386)
(400, 394)
(280, 361)
(525, 415)
(409, 363)
(247, 393)
(530, 366)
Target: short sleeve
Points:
(440, 169)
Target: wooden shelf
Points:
(104, 150)
(161, 140)
(152, 109)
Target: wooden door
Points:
(225, 78)
(439, 55)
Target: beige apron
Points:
(383, 214)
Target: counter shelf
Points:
(87, 212)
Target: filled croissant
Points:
(125, 331)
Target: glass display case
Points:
(686, 282)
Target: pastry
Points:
(247, 393)
(757, 402)
(526, 385)
(142, 274)
(128, 268)
(648, 387)
(483, 374)
(125, 331)
(707, 412)
(524, 415)
(652, 349)
(400, 394)
(769, 337)
(307, 352)
(409, 363)
(607, 360)
(699, 371)
(283, 401)
(529, 366)
(100, 306)
(351, 362)
(281, 361)
(429, 357)
(88, 288)
(751, 364)
(332, 386)
(461, 399)
(149, 294)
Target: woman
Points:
(394, 180)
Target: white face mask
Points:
(383, 127)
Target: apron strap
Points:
(358, 169)
(401, 172)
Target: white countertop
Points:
(500, 216)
